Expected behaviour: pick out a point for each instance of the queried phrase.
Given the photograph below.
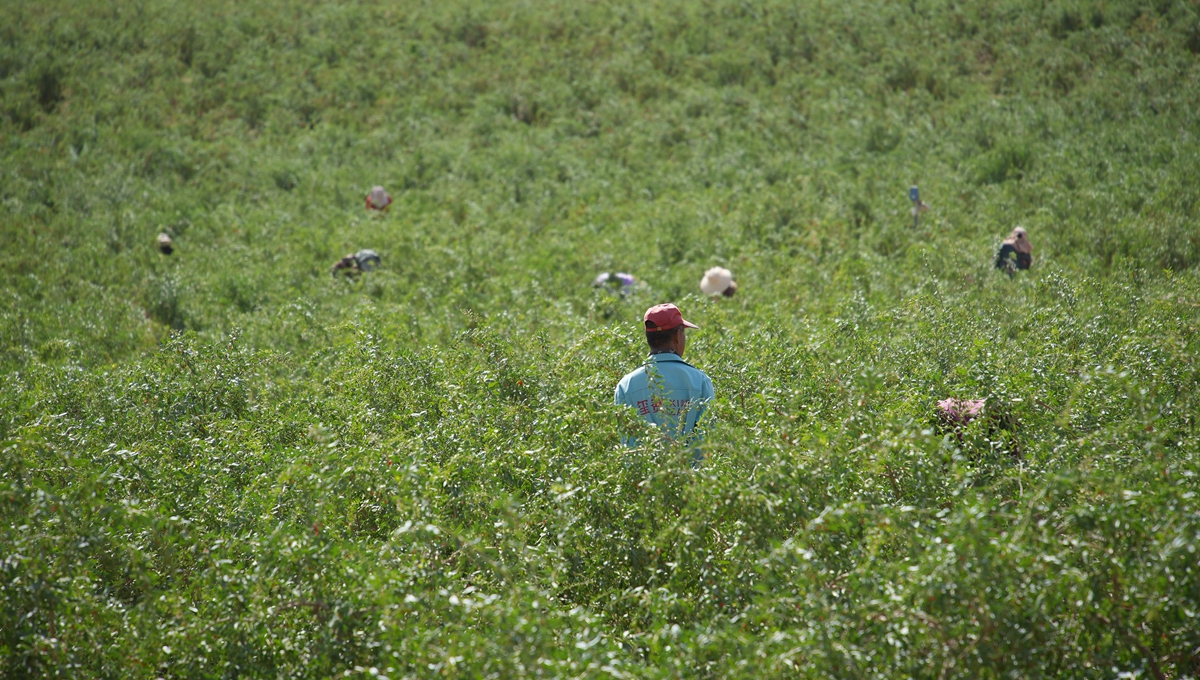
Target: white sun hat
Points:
(716, 281)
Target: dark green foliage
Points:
(1008, 160)
(225, 462)
(48, 81)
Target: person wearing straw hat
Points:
(1017, 244)
(666, 390)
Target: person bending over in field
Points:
(378, 199)
(363, 261)
(666, 390)
(619, 283)
(347, 265)
(1016, 244)
(718, 281)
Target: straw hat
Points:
(1019, 240)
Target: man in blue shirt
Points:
(666, 390)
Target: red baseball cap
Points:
(664, 317)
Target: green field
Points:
(227, 463)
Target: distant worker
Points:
(666, 390)
(165, 245)
(363, 261)
(367, 259)
(1016, 244)
(378, 199)
(619, 282)
(347, 265)
(718, 281)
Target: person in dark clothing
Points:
(367, 259)
(1016, 252)
(347, 265)
(351, 265)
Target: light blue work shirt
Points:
(668, 392)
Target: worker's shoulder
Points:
(706, 383)
(642, 373)
(681, 368)
(686, 366)
(635, 375)
(704, 377)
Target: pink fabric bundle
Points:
(961, 411)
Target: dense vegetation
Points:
(227, 463)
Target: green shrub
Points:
(226, 462)
(1006, 161)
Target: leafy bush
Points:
(226, 462)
